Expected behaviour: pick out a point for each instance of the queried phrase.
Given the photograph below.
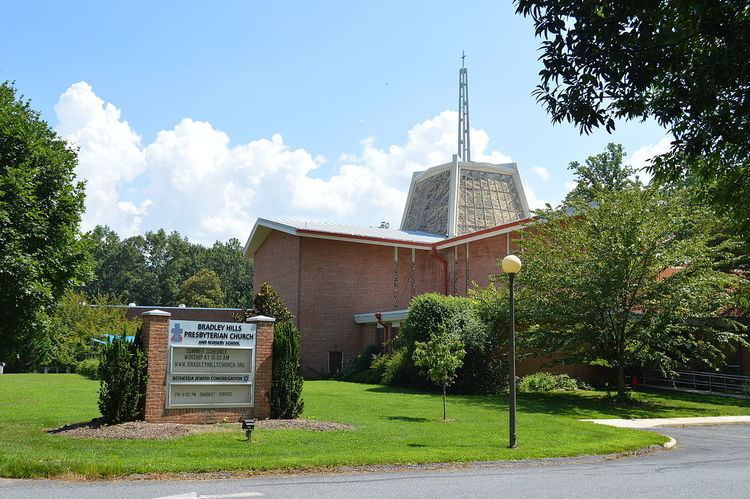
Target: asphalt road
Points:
(708, 461)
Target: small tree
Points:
(440, 358)
(122, 375)
(202, 290)
(286, 382)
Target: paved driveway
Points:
(708, 461)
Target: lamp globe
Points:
(511, 264)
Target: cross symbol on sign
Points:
(176, 333)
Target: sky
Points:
(201, 117)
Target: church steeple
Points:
(464, 141)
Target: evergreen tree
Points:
(122, 375)
(286, 384)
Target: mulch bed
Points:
(96, 428)
(302, 424)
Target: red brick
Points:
(155, 331)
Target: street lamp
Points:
(511, 265)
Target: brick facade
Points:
(324, 282)
(277, 262)
(155, 340)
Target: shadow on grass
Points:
(700, 398)
(648, 402)
(407, 419)
(398, 389)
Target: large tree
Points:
(685, 63)
(599, 174)
(202, 290)
(150, 268)
(41, 255)
(634, 280)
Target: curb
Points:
(669, 445)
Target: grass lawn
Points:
(392, 426)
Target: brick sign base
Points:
(155, 331)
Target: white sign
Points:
(210, 395)
(211, 364)
(211, 334)
(212, 360)
(209, 378)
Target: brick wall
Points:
(324, 282)
(484, 256)
(277, 262)
(339, 279)
(155, 340)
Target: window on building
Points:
(335, 362)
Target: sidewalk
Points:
(658, 422)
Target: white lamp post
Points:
(511, 265)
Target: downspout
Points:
(386, 333)
(442, 260)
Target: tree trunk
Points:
(621, 393)
(443, 402)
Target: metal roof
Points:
(298, 227)
(355, 230)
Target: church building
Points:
(350, 287)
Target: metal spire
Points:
(464, 142)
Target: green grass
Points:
(392, 426)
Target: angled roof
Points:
(373, 235)
(448, 204)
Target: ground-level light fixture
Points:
(248, 425)
(511, 265)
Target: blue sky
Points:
(220, 79)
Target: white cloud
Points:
(192, 179)
(534, 202)
(540, 172)
(110, 155)
(570, 185)
(643, 156)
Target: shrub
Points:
(286, 382)
(395, 368)
(360, 370)
(546, 382)
(88, 368)
(122, 375)
(483, 369)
